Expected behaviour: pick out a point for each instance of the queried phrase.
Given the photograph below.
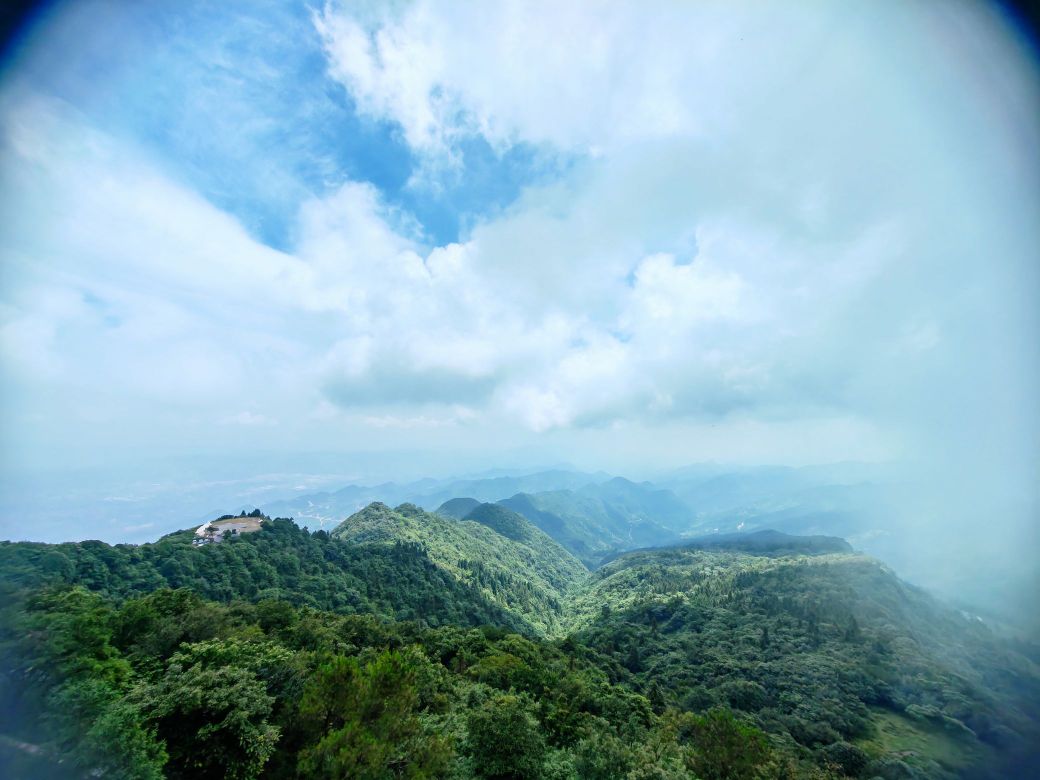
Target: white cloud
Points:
(748, 231)
(578, 77)
(788, 232)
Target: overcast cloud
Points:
(786, 232)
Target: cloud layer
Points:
(828, 233)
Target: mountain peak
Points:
(493, 544)
(458, 507)
(505, 521)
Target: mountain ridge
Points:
(819, 647)
(523, 570)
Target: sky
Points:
(625, 236)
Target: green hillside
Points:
(458, 507)
(600, 519)
(283, 561)
(829, 653)
(504, 521)
(411, 644)
(514, 564)
(641, 502)
(168, 685)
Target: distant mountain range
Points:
(801, 653)
(595, 519)
(595, 516)
(329, 508)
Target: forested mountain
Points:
(596, 515)
(285, 562)
(765, 542)
(327, 509)
(458, 507)
(827, 651)
(513, 563)
(598, 519)
(641, 501)
(285, 653)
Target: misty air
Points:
(519, 390)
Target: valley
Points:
(440, 390)
(742, 655)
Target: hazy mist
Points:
(250, 252)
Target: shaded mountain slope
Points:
(828, 652)
(458, 507)
(505, 521)
(517, 566)
(641, 501)
(604, 518)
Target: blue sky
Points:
(234, 100)
(626, 236)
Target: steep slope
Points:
(829, 652)
(604, 518)
(505, 521)
(515, 565)
(579, 539)
(458, 507)
(642, 501)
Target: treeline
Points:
(285, 562)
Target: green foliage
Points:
(603, 756)
(809, 648)
(103, 732)
(723, 747)
(67, 678)
(283, 654)
(212, 715)
(282, 562)
(505, 558)
(503, 739)
(368, 715)
(506, 522)
(598, 519)
(844, 758)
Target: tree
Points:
(214, 720)
(603, 756)
(847, 759)
(724, 748)
(120, 746)
(655, 696)
(503, 740)
(852, 632)
(367, 716)
(273, 614)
